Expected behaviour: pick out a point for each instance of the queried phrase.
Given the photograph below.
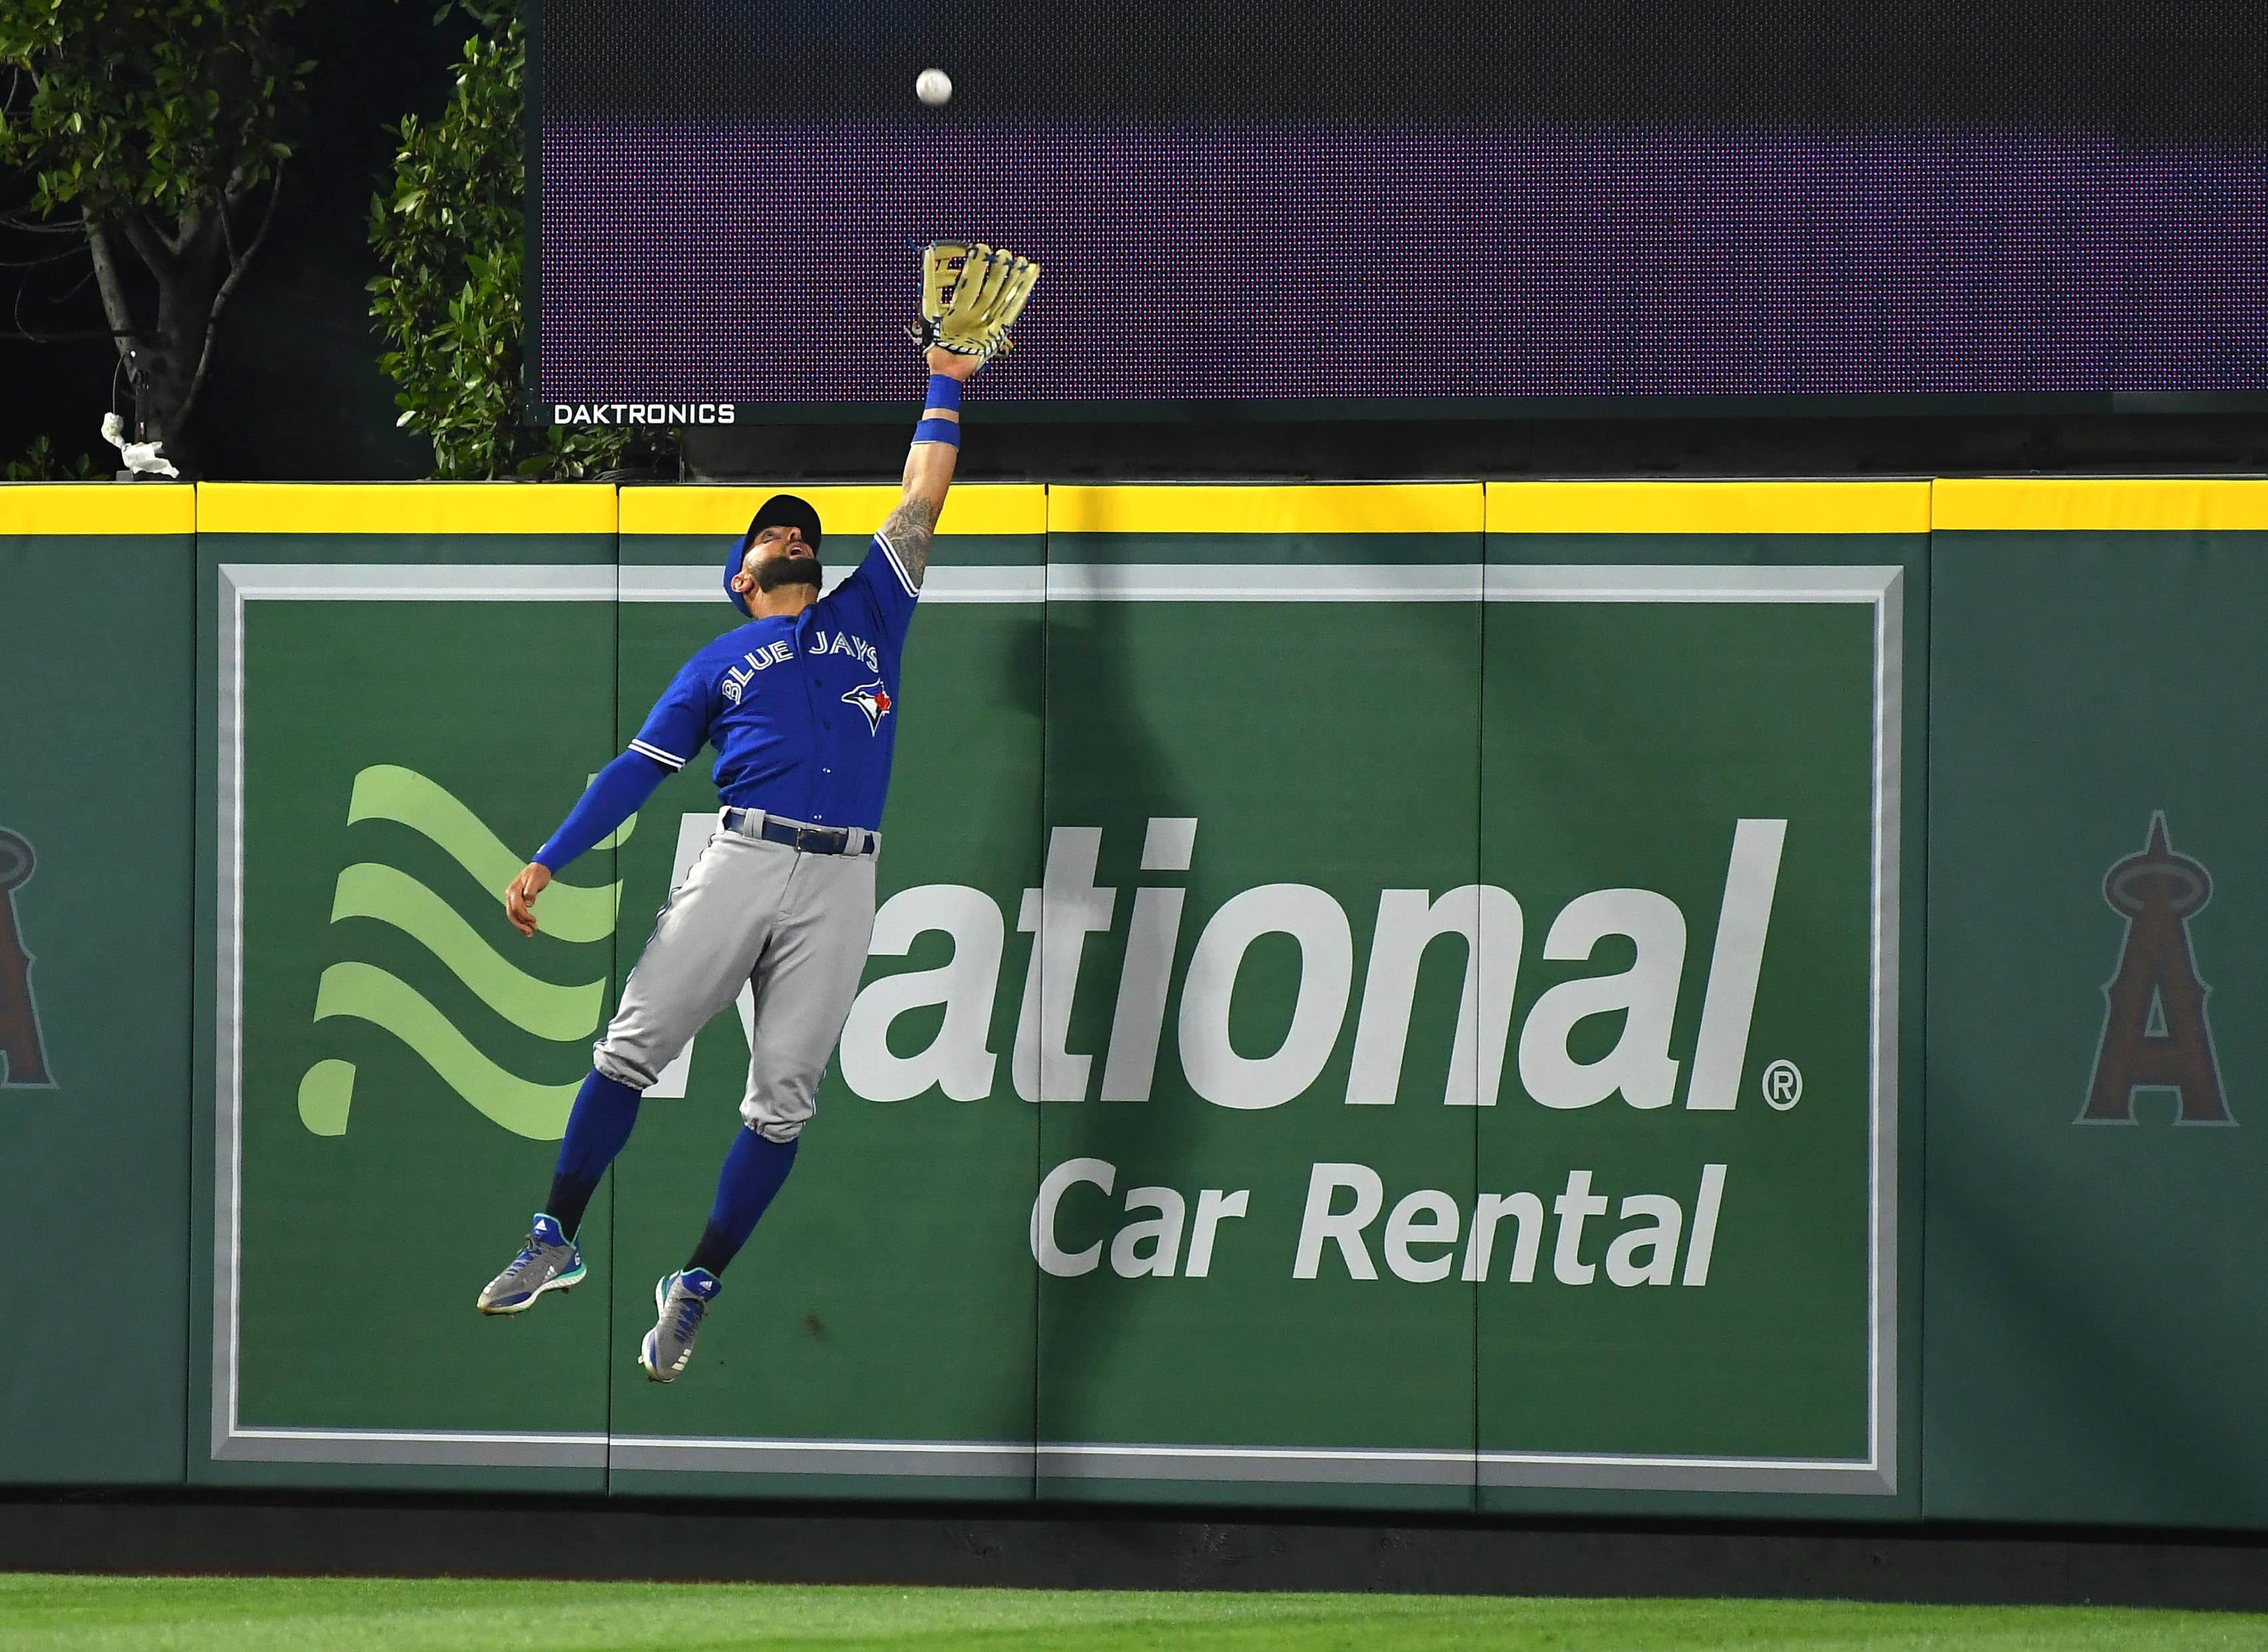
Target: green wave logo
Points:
(580, 916)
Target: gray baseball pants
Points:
(793, 925)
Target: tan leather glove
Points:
(971, 295)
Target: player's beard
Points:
(775, 571)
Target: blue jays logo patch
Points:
(874, 699)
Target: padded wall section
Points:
(404, 688)
(1702, 709)
(1263, 724)
(2098, 887)
(96, 700)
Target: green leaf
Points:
(448, 230)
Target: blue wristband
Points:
(944, 394)
(945, 431)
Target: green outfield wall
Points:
(97, 828)
(2098, 893)
(1514, 997)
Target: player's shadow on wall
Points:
(1110, 763)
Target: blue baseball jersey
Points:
(803, 712)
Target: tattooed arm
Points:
(930, 462)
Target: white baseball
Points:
(933, 86)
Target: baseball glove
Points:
(971, 294)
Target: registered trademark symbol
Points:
(1783, 1086)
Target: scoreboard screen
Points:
(1319, 207)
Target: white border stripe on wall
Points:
(425, 582)
(468, 1449)
(228, 1013)
(1580, 582)
(1882, 1229)
(1248, 582)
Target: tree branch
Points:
(24, 335)
(115, 307)
(187, 228)
(227, 216)
(35, 264)
(238, 263)
(149, 243)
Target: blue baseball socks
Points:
(753, 1170)
(605, 1111)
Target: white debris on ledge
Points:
(142, 458)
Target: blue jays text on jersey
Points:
(800, 711)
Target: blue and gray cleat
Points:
(681, 1299)
(547, 1262)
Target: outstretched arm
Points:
(617, 791)
(930, 462)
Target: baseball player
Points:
(801, 704)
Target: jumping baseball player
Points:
(801, 704)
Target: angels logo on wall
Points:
(2155, 1031)
(23, 1055)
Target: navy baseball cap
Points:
(782, 510)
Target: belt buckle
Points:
(818, 834)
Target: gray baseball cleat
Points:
(681, 1299)
(547, 1262)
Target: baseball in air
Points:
(933, 86)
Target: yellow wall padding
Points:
(1708, 507)
(97, 507)
(405, 508)
(2102, 504)
(1451, 508)
(997, 508)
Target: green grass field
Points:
(252, 1615)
